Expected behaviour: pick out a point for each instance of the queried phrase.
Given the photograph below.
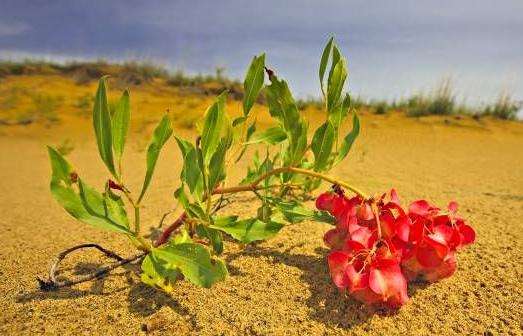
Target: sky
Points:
(394, 48)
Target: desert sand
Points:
(277, 287)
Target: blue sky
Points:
(394, 48)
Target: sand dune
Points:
(278, 287)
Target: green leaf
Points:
(214, 236)
(238, 121)
(195, 210)
(336, 83)
(349, 139)
(181, 237)
(72, 203)
(249, 230)
(250, 131)
(194, 262)
(283, 107)
(253, 82)
(324, 61)
(294, 212)
(321, 145)
(184, 145)
(181, 196)
(212, 127)
(336, 56)
(61, 169)
(120, 124)
(217, 165)
(339, 113)
(115, 208)
(158, 273)
(192, 174)
(271, 136)
(98, 205)
(97, 213)
(161, 134)
(102, 125)
(222, 221)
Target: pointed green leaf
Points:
(184, 145)
(192, 174)
(271, 136)
(217, 171)
(61, 169)
(73, 204)
(225, 220)
(253, 82)
(250, 131)
(214, 236)
(102, 125)
(324, 61)
(238, 121)
(181, 196)
(335, 84)
(161, 134)
(339, 113)
(349, 139)
(212, 127)
(158, 273)
(249, 230)
(115, 208)
(181, 237)
(295, 212)
(196, 210)
(283, 107)
(321, 145)
(120, 124)
(63, 191)
(97, 205)
(336, 56)
(194, 262)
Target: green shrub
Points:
(381, 107)
(504, 108)
(441, 102)
(45, 106)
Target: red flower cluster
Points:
(377, 246)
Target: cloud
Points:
(13, 28)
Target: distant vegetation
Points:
(441, 101)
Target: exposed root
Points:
(52, 283)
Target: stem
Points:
(253, 187)
(170, 229)
(375, 211)
(137, 220)
(53, 284)
(135, 205)
(309, 173)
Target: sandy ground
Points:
(282, 286)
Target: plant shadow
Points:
(142, 299)
(327, 305)
(97, 288)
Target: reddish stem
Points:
(254, 186)
(169, 230)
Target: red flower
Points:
(371, 257)
(431, 240)
(371, 273)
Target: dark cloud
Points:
(393, 47)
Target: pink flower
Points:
(376, 245)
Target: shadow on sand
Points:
(142, 299)
(326, 304)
